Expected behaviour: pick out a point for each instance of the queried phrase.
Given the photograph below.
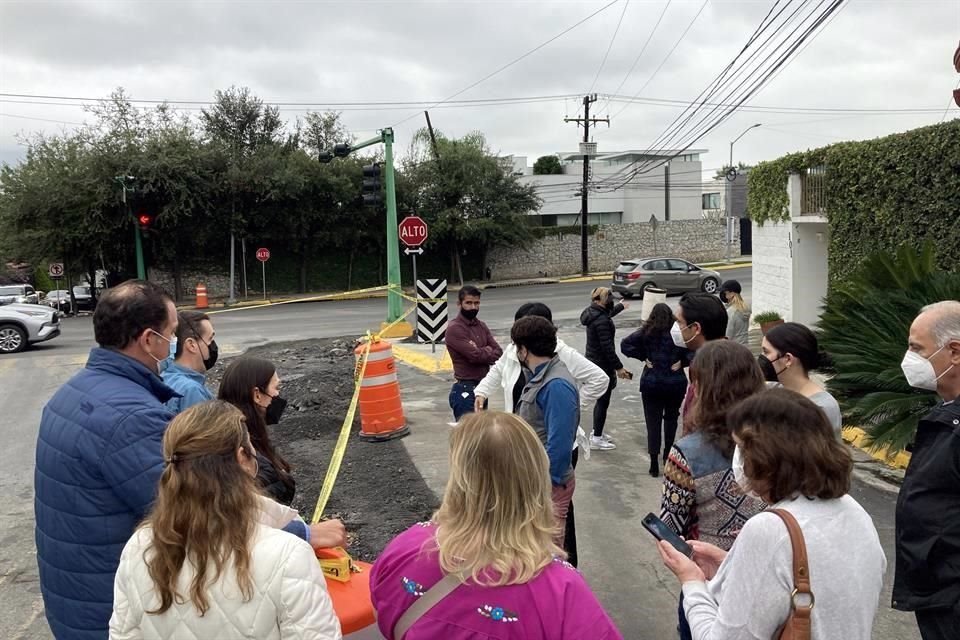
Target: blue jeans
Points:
(683, 628)
(462, 399)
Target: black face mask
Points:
(469, 314)
(766, 365)
(213, 352)
(275, 409)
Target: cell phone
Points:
(661, 531)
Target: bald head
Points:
(935, 335)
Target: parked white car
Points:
(25, 324)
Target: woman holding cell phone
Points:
(786, 453)
(701, 501)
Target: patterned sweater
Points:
(701, 499)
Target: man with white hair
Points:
(927, 578)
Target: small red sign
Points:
(413, 231)
(263, 254)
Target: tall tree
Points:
(547, 165)
(469, 197)
(320, 131)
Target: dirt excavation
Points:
(379, 492)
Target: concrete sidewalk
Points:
(614, 491)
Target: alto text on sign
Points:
(413, 231)
(263, 254)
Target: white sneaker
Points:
(599, 444)
(606, 438)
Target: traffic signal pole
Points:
(138, 242)
(394, 301)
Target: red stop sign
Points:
(263, 254)
(413, 231)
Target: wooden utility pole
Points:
(586, 121)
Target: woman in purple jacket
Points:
(491, 544)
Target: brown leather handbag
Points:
(797, 626)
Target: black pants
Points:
(570, 537)
(661, 410)
(938, 624)
(600, 409)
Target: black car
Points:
(60, 300)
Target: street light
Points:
(753, 126)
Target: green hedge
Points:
(881, 194)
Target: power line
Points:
(610, 46)
(676, 44)
(514, 61)
(639, 55)
(13, 115)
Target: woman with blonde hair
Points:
(738, 312)
(208, 561)
(601, 351)
(486, 565)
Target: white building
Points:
(669, 191)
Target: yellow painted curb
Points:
(427, 363)
(724, 267)
(859, 438)
(590, 278)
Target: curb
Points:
(859, 438)
(426, 363)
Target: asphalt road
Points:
(613, 488)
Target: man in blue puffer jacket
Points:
(99, 458)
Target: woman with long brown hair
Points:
(701, 501)
(208, 561)
(253, 386)
(489, 550)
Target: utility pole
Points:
(586, 120)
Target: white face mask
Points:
(919, 371)
(163, 364)
(739, 475)
(677, 334)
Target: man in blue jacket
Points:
(99, 457)
(196, 354)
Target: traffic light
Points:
(341, 150)
(371, 184)
(325, 157)
(145, 220)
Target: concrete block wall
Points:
(773, 269)
(558, 255)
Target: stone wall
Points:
(558, 255)
(773, 269)
(218, 284)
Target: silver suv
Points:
(674, 275)
(25, 324)
(18, 293)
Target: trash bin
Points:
(651, 297)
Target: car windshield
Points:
(81, 291)
(626, 267)
(12, 291)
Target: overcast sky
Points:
(875, 54)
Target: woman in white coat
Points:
(208, 561)
(506, 376)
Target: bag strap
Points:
(424, 603)
(801, 569)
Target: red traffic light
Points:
(145, 219)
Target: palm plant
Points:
(864, 327)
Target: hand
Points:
(648, 364)
(676, 366)
(683, 567)
(478, 403)
(327, 534)
(623, 374)
(708, 557)
(625, 304)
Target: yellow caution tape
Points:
(327, 296)
(333, 470)
(337, 458)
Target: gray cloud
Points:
(875, 54)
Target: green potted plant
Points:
(768, 320)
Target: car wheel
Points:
(12, 339)
(710, 285)
(646, 285)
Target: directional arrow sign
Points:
(418, 251)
